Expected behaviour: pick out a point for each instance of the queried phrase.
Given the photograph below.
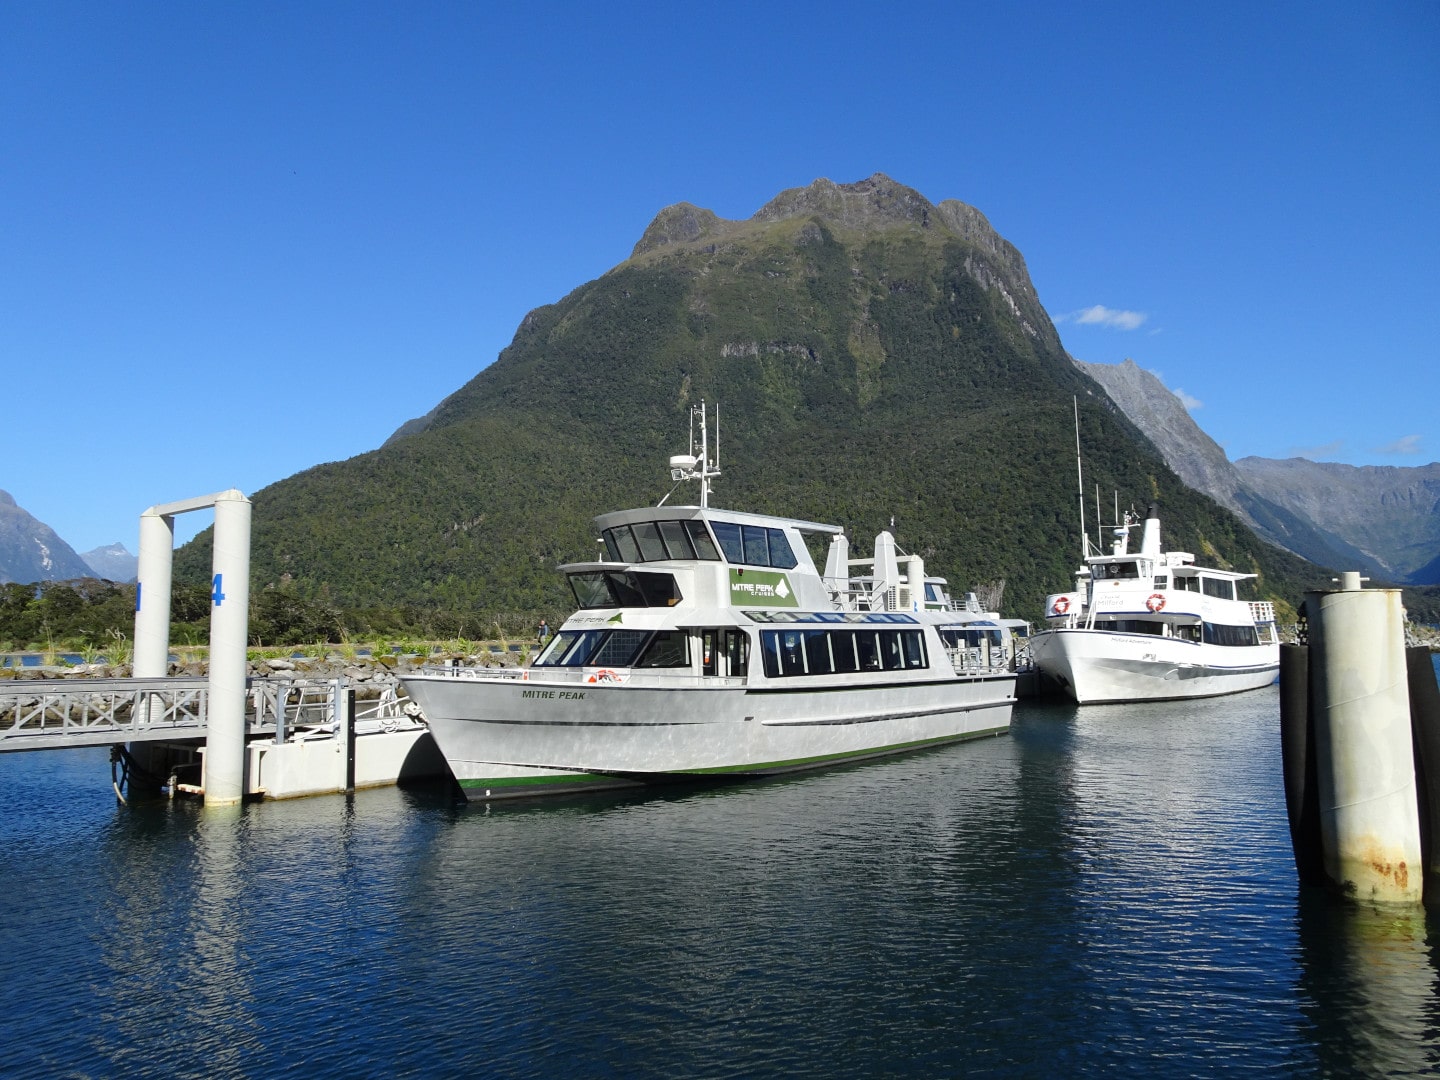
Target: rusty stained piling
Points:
(1359, 710)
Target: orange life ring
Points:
(1061, 605)
(1155, 602)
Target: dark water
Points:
(1105, 892)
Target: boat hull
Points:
(1095, 666)
(507, 737)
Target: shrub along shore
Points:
(357, 663)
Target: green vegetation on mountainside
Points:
(862, 373)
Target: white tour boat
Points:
(707, 644)
(1149, 625)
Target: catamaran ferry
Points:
(707, 644)
(1149, 625)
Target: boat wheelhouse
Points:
(706, 642)
(1150, 625)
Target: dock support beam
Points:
(229, 628)
(224, 779)
(1369, 822)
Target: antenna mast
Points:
(1080, 481)
(698, 467)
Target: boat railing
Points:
(1262, 611)
(973, 661)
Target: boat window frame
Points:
(647, 535)
(566, 643)
(703, 542)
(619, 648)
(1228, 635)
(676, 540)
(626, 589)
(1218, 587)
(622, 536)
(650, 656)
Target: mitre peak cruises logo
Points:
(761, 588)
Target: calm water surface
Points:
(1106, 891)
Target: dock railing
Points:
(43, 714)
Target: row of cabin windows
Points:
(1220, 588)
(829, 652)
(653, 541)
(647, 649)
(1210, 633)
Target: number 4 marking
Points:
(217, 595)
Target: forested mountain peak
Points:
(876, 356)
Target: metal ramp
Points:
(51, 714)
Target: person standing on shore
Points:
(542, 632)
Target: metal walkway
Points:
(49, 714)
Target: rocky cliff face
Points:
(31, 551)
(1196, 458)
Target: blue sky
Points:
(242, 239)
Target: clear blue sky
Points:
(241, 239)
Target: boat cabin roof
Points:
(1178, 563)
(711, 513)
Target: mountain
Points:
(1388, 515)
(112, 562)
(31, 551)
(1381, 520)
(1196, 458)
(875, 356)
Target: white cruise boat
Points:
(1149, 625)
(707, 644)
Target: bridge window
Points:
(653, 541)
(1221, 588)
(754, 545)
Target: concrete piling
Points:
(1359, 709)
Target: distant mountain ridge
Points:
(112, 562)
(32, 551)
(1381, 520)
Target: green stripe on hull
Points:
(532, 781)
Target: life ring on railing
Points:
(1061, 605)
(1155, 601)
(605, 675)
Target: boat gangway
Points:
(50, 714)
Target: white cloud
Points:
(1315, 453)
(1190, 403)
(1100, 315)
(1407, 444)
